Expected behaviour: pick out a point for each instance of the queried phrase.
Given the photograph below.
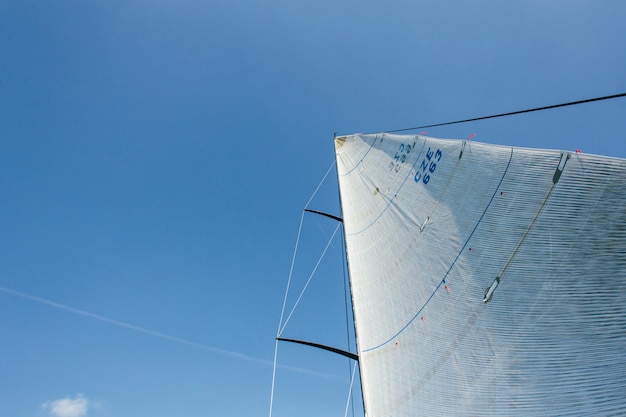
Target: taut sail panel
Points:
(486, 280)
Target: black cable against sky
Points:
(571, 103)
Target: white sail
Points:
(486, 280)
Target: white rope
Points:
(350, 390)
(310, 277)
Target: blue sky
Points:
(155, 158)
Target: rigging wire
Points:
(345, 297)
(330, 241)
(350, 392)
(295, 249)
(320, 184)
(345, 292)
(273, 376)
(493, 116)
(282, 312)
(281, 326)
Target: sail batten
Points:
(433, 226)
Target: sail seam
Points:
(443, 190)
(391, 199)
(364, 156)
(443, 280)
(557, 174)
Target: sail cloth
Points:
(486, 280)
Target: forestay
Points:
(486, 280)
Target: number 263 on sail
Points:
(428, 166)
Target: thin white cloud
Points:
(68, 407)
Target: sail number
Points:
(400, 158)
(428, 166)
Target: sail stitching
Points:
(392, 182)
(391, 200)
(363, 158)
(443, 190)
(557, 174)
(443, 280)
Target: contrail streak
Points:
(132, 326)
(139, 329)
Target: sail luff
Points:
(338, 142)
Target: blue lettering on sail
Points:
(428, 166)
(400, 157)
